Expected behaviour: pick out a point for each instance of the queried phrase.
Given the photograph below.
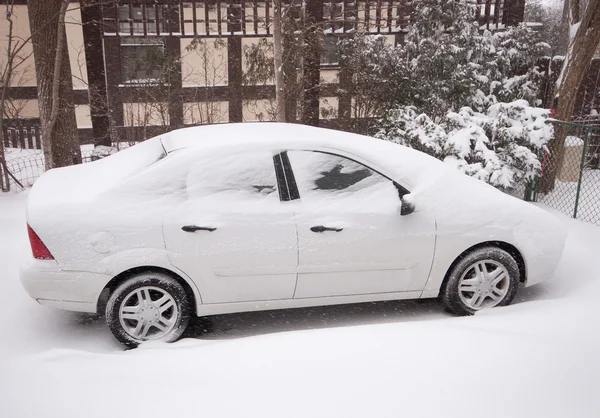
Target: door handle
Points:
(321, 228)
(194, 228)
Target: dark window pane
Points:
(329, 55)
(142, 60)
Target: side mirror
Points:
(407, 208)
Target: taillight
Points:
(38, 248)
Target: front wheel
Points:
(148, 307)
(484, 278)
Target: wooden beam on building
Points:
(234, 66)
(91, 17)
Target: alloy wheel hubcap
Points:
(148, 313)
(484, 284)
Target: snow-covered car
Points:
(243, 217)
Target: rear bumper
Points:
(47, 283)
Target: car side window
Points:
(233, 176)
(326, 178)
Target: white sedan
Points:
(243, 217)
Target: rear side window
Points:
(233, 176)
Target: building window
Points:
(329, 54)
(134, 17)
(333, 14)
(142, 60)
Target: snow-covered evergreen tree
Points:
(510, 64)
(444, 63)
(500, 147)
(439, 51)
(405, 125)
(468, 94)
(452, 64)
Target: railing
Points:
(22, 133)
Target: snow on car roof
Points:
(402, 162)
(268, 133)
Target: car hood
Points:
(465, 205)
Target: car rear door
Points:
(352, 238)
(234, 235)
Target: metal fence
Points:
(571, 183)
(27, 165)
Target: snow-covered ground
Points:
(536, 358)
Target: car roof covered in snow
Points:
(402, 163)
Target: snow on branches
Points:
(453, 64)
(465, 94)
(500, 146)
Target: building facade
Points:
(142, 67)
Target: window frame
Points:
(286, 181)
(293, 187)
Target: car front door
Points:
(352, 238)
(233, 234)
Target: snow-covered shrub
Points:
(500, 147)
(453, 65)
(444, 64)
(509, 65)
(406, 126)
(439, 51)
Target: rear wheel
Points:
(148, 307)
(484, 278)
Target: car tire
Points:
(485, 277)
(148, 306)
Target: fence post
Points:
(531, 191)
(528, 191)
(581, 165)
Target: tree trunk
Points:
(55, 88)
(278, 59)
(580, 51)
(312, 62)
(6, 81)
